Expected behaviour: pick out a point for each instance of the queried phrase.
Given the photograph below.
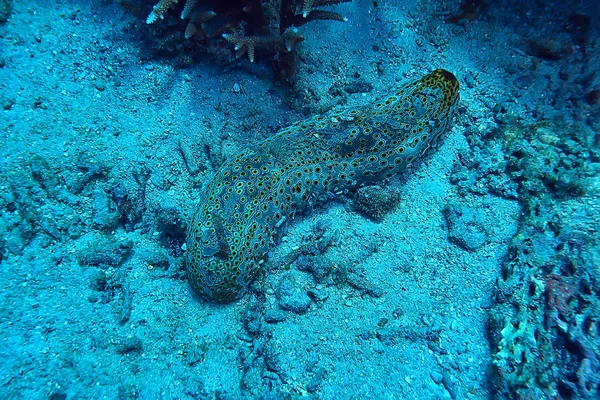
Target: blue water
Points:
(474, 276)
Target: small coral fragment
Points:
(247, 44)
(306, 7)
(190, 30)
(325, 15)
(242, 44)
(201, 17)
(159, 10)
(188, 8)
(291, 37)
(309, 4)
(195, 27)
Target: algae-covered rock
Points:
(292, 297)
(375, 202)
(103, 251)
(105, 215)
(465, 227)
(544, 321)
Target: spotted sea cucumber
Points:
(244, 206)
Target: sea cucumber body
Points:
(242, 209)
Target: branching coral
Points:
(249, 25)
(196, 20)
(247, 44)
(163, 6)
(188, 8)
(159, 10)
(307, 5)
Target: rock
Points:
(129, 346)
(318, 295)
(105, 215)
(274, 316)
(252, 318)
(104, 251)
(549, 48)
(465, 227)
(358, 87)
(358, 281)
(375, 202)
(524, 81)
(292, 296)
(5, 10)
(319, 268)
(100, 84)
(316, 380)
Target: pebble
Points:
(437, 377)
(318, 295)
(523, 81)
(454, 325)
(100, 84)
(448, 384)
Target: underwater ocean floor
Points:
(475, 276)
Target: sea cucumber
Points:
(244, 206)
